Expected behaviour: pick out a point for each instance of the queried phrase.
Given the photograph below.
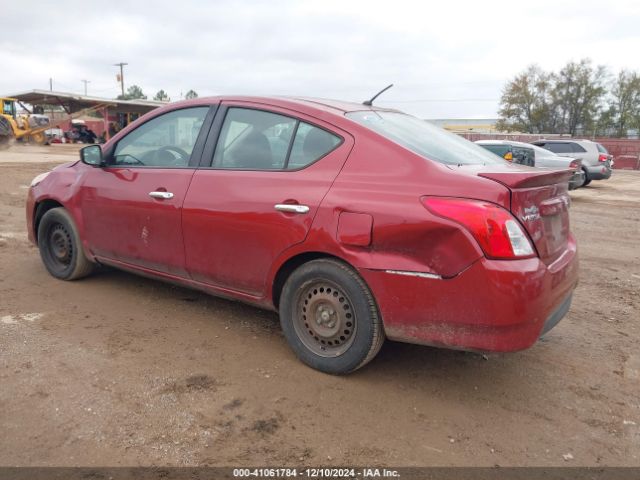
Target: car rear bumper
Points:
(493, 305)
(598, 172)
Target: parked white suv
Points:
(596, 161)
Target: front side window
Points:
(166, 141)
(424, 138)
(258, 140)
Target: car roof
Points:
(337, 107)
(513, 143)
(563, 140)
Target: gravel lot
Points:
(121, 370)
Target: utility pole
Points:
(85, 86)
(121, 64)
(50, 84)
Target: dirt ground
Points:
(121, 370)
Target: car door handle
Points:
(162, 195)
(286, 207)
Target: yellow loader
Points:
(13, 127)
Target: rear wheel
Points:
(60, 246)
(6, 134)
(587, 180)
(330, 318)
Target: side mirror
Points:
(92, 155)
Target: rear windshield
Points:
(601, 149)
(424, 138)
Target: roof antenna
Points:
(368, 103)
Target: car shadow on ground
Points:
(396, 360)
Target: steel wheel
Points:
(60, 245)
(325, 319)
(329, 317)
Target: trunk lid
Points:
(540, 200)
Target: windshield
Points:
(424, 138)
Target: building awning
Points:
(72, 102)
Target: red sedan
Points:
(356, 223)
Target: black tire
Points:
(342, 310)
(587, 180)
(6, 134)
(60, 246)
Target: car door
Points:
(131, 208)
(267, 172)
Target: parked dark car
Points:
(355, 223)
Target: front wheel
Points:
(330, 318)
(60, 246)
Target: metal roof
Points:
(74, 102)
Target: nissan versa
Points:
(355, 223)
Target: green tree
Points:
(133, 92)
(536, 101)
(161, 96)
(526, 102)
(624, 104)
(191, 94)
(577, 96)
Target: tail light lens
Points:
(508, 157)
(574, 164)
(499, 234)
(603, 158)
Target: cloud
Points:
(447, 59)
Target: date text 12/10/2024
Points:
(315, 473)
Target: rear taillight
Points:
(499, 234)
(574, 164)
(603, 158)
(508, 157)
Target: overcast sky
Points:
(447, 59)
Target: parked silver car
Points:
(541, 158)
(514, 152)
(596, 161)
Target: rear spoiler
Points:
(529, 179)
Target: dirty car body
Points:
(355, 223)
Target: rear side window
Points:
(310, 144)
(259, 140)
(253, 140)
(601, 149)
(559, 147)
(499, 150)
(577, 148)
